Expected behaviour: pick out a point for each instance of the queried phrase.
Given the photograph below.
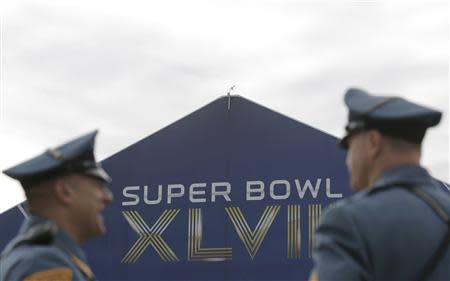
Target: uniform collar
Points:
(61, 240)
(409, 174)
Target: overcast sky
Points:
(130, 68)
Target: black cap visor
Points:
(352, 128)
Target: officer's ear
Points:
(63, 191)
(375, 143)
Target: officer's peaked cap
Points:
(74, 156)
(392, 116)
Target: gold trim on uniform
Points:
(55, 274)
(313, 276)
(83, 267)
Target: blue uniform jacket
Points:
(59, 258)
(384, 232)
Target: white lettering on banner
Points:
(331, 195)
(126, 194)
(171, 194)
(255, 187)
(225, 193)
(314, 190)
(155, 201)
(193, 191)
(255, 190)
(280, 183)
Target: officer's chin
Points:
(101, 228)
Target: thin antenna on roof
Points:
(229, 96)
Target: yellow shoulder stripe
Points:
(84, 268)
(313, 276)
(55, 274)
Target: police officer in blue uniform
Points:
(66, 194)
(396, 226)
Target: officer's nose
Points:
(108, 197)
